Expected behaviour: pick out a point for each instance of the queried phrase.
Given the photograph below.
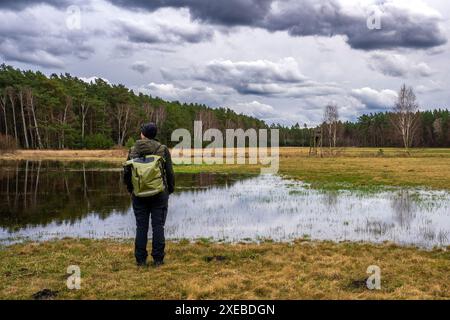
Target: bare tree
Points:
(3, 99)
(122, 117)
(24, 124)
(63, 120)
(331, 117)
(12, 99)
(159, 115)
(30, 102)
(207, 118)
(30, 122)
(405, 115)
(148, 111)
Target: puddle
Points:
(41, 201)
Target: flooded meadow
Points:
(42, 200)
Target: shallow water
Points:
(46, 200)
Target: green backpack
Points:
(147, 175)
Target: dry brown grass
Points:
(114, 155)
(304, 270)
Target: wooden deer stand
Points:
(315, 143)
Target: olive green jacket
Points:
(145, 147)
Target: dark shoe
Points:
(142, 264)
(158, 263)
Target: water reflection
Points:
(36, 193)
(331, 199)
(404, 208)
(42, 200)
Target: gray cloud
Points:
(22, 4)
(140, 66)
(229, 13)
(396, 65)
(400, 28)
(163, 33)
(31, 37)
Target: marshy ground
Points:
(204, 270)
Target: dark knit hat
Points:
(149, 130)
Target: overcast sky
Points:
(278, 60)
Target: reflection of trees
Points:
(331, 199)
(202, 180)
(404, 208)
(44, 194)
(38, 193)
(375, 228)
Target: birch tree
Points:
(24, 124)
(331, 117)
(31, 104)
(405, 115)
(122, 117)
(159, 115)
(68, 106)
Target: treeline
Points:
(62, 111)
(375, 130)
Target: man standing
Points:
(153, 205)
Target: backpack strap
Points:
(157, 149)
(163, 170)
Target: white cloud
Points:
(375, 100)
(190, 94)
(93, 79)
(255, 109)
(285, 70)
(281, 78)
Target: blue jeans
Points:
(156, 207)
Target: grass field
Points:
(302, 270)
(203, 270)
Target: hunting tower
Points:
(315, 143)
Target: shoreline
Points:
(351, 168)
(211, 241)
